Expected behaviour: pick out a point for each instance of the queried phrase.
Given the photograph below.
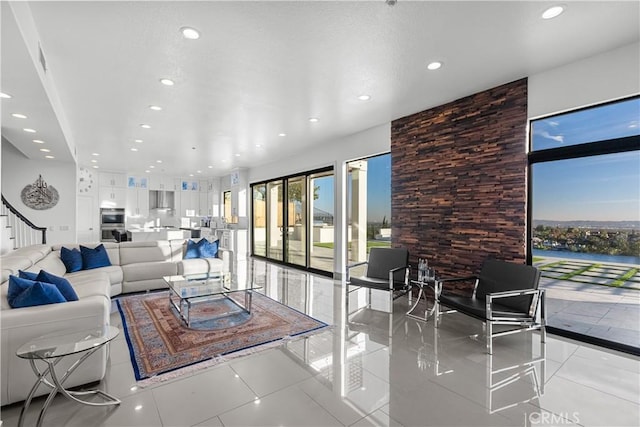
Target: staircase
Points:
(16, 231)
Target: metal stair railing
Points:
(22, 231)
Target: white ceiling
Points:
(264, 68)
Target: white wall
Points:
(608, 76)
(19, 171)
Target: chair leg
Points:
(489, 332)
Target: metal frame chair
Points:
(387, 270)
(504, 294)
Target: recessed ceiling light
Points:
(134, 149)
(282, 134)
(38, 141)
(49, 157)
(314, 119)
(190, 33)
(147, 171)
(144, 126)
(364, 97)
(96, 166)
(29, 130)
(5, 95)
(198, 171)
(155, 107)
(45, 150)
(94, 161)
(151, 166)
(167, 82)
(138, 141)
(258, 145)
(552, 12)
(95, 154)
(19, 116)
(237, 154)
(191, 174)
(158, 161)
(210, 167)
(434, 65)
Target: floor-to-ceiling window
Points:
(369, 205)
(584, 220)
(292, 219)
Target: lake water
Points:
(621, 259)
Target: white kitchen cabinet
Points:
(162, 182)
(189, 203)
(111, 179)
(204, 208)
(137, 202)
(112, 197)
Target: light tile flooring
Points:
(376, 369)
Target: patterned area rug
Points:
(159, 342)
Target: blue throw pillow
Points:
(94, 258)
(192, 250)
(208, 249)
(27, 293)
(27, 275)
(61, 283)
(72, 259)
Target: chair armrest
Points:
(517, 293)
(357, 264)
(393, 270)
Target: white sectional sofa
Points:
(136, 266)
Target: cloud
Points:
(557, 138)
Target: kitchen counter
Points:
(147, 234)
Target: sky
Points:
(378, 189)
(598, 188)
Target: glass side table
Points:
(51, 349)
(430, 282)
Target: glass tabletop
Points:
(66, 343)
(197, 285)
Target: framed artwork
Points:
(40, 195)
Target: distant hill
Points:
(611, 225)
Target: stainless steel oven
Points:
(111, 224)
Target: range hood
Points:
(159, 199)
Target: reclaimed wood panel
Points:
(458, 180)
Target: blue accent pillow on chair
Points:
(208, 249)
(192, 251)
(94, 258)
(27, 275)
(71, 258)
(29, 293)
(61, 283)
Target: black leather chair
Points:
(387, 270)
(504, 294)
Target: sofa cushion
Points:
(148, 270)
(114, 274)
(28, 275)
(51, 263)
(29, 293)
(95, 284)
(72, 259)
(134, 252)
(200, 266)
(192, 251)
(94, 257)
(61, 283)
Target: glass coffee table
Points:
(188, 290)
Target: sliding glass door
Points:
(292, 220)
(275, 219)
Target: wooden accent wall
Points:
(458, 180)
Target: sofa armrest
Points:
(226, 255)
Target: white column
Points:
(358, 210)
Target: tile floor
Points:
(375, 369)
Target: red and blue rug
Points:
(160, 343)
